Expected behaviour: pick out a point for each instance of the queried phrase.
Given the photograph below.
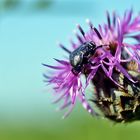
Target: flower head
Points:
(104, 52)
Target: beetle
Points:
(81, 56)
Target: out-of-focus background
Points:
(29, 31)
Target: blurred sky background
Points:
(29, 31)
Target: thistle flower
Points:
(107, 59)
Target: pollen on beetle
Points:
(105, 58)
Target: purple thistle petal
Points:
(81, 30)
(114, 19)
(91, 75)
(86, 105)
(124, 72)
(132, 55)
(62, 95)
(69, 111)
(74, 46)
(62, 61)
(128, 16)
(137, 37)
(64, 48)
(67, 103)
(120, 32)
(80, 39)
(89, 23)
(108, 19)
(98, 34)
(107, 73)
(53, 67)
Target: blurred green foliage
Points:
(42, 4)
(8, 4)
(84, 128)
(35, 4)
